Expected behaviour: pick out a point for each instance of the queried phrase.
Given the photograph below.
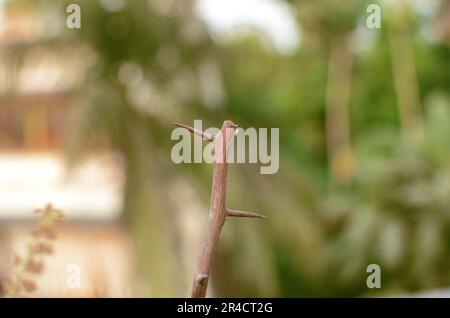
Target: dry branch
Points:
(218, 212)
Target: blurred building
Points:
(36, 81)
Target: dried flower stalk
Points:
(22, 283)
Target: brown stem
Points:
(218, 212)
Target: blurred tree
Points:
(336, 100)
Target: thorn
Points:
(195, 131)
(244, 214)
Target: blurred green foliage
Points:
(321, 235)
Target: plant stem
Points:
(218, 212)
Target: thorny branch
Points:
(218, 212)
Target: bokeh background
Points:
(364, 119)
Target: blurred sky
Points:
(273, 17)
